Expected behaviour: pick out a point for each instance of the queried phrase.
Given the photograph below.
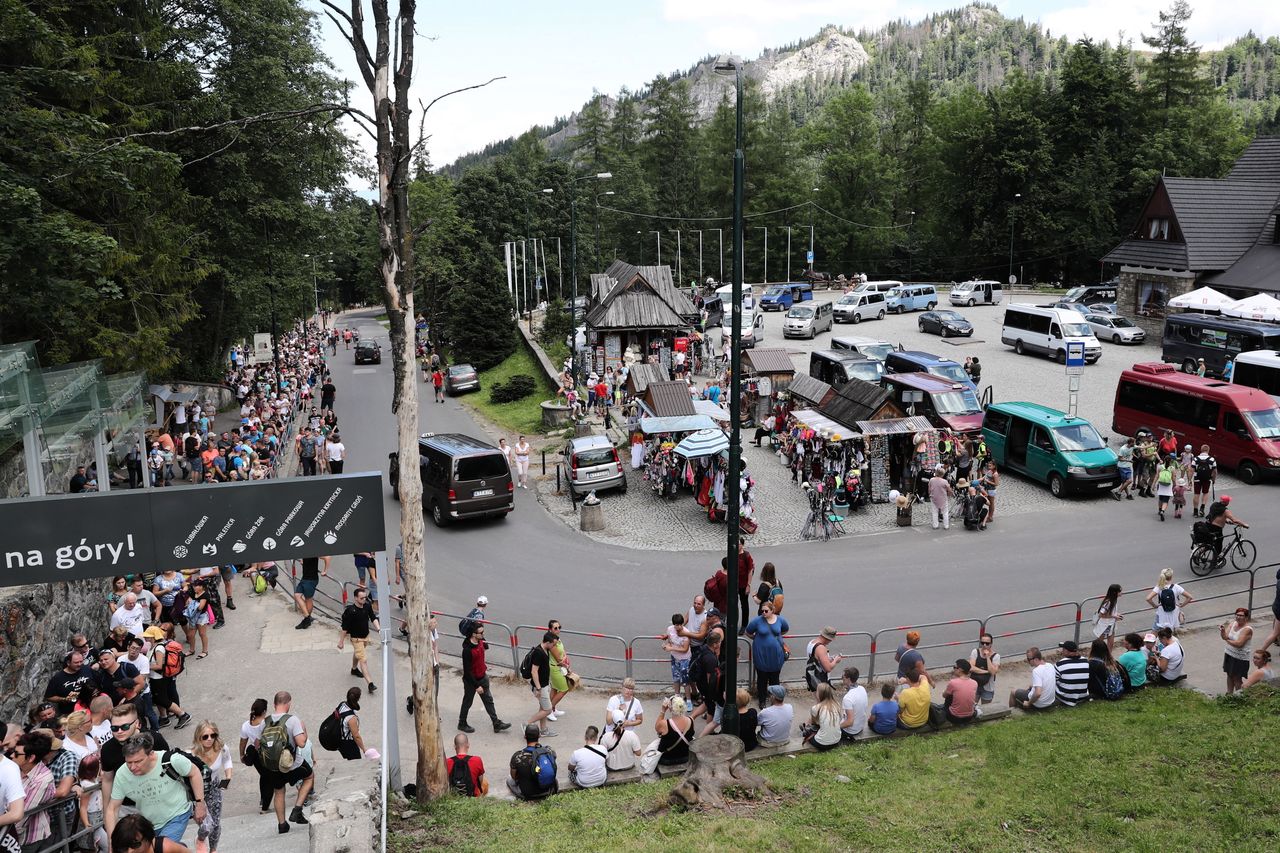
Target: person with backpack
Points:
(1107, 678)
(167, 788)
(357, 619)
(466, 771)
(705, 669)
(168, 660)
(340, 731)
(475, 680)
(1167, 599)
(474, 617)
(819, 662)
(536, 669)
(533, 769)
(207, 746)
(280, 753)
(716, 590)
(1205, 475)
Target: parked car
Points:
(1118, 330)
(459, 378)
(1103, 308)
(945, 323)
(776, 297)
(860, 305)
(368, 352)
(807, 320)
(462, 478)
(593, 465)
(1078, 307)
(971, 293)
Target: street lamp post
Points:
(679, 269)
(765, 229)
(812, 256)
(788, 253)
(573, 255)
(1013, 215)
(720, 243)
(598, 197)
(699, 233)
(730, 714)
(659, 235)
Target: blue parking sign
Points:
(1075, 353)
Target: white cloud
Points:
(757, 11)
(1212, 25)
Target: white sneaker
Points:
(553, 716)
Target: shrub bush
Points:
(517, 387)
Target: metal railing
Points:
(65, 834)
(951, 630)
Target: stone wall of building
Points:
(1134, 298)
(35, 625)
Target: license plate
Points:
(1103, 486)
(482, 493)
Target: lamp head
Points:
(728, 65)
(603, 176)
(548, 191)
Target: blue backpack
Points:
(544, 762)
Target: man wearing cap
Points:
(475, 680)
(1072, 675)
(524, 782)
(775, 720)
(940, 495)
(819, 650)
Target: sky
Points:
(554, 54)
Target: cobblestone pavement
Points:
(640, 519)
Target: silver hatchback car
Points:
(593, 464)
(1118, 330)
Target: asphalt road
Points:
(533, 568)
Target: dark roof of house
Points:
(855, 401)
(1259, 162)
(768, 361)
(1219, 219)
(669, 399)
(631, 297)
(640, 374)
(805, 387)
(1258, 269)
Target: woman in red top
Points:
(1168, 444)
(437, 379)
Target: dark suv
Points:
(462, 478)
(368, 352)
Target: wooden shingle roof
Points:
(631, 297)
(669, 399)
(767, 361)
(855, 401)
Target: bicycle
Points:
(1241, 551)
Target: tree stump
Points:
(716, 762)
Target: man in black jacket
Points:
(356, 621)
(475, 679)
(709, 682)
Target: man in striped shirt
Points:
(1072, 675)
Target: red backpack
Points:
(715, 589)
(175, 659)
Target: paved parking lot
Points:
(641, 519)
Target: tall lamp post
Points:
(315, 281)
(720, 243)
(1013, 215)
(573, 254)
(765, 229)
(699, 233)
(659, 236)
(733, 65)
(812, 256)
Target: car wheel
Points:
(880, 316)
(945, 333)
(921, 325)
(1057, 486)
(438, 516)
(857, 318)
(1188, 365)
(1249, 472)
(931, 306)
(1115, 339)
(1061, 357)
(970, 302)
(1017, 347)
(622, 490)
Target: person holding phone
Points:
(207, 745)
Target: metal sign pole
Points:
(390, 733)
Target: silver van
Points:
(807, 319)
(860, 305)
(870, 347)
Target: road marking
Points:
(365, 370)
(622, 562)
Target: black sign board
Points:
(67, 537)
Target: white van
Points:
(971, 293)
(860, 305)
(807, 319)
(748, 295)
(876, 286)
(870, 347)
(1048, 330)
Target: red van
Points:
(1241, 425)
(948, 405)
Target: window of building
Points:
(1157, 229)
(1153, 298)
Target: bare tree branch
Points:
(216, 151)
(355, 37)
(422, 122)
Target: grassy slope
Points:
(521, 416)
(1162, 771)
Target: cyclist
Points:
(1219, 516)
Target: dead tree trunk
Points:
(716, 763)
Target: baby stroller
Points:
(855, 494)
(975, 512)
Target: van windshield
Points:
(849, 299)
(867, 371)
(963, 402)
(1075, 294)
(1265, 424)
(1077, 330)
(482, 467)
(801, 312)
(1078, 438)
(953, 372)
(775, 290)
(877, 351)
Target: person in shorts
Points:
(367, 572)
(540, 683)
(298, 774)
(357, 620)
(304, 592)
(677, 646)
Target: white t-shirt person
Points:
(294, 727)
(588, 764)
(855, 700)
(1044, 676)
(1173, 654)
(335, 451)
(11, 790)
(631, 708)
(1171, 619)
(621, 753)
(130, 619)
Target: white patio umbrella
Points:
(704, 442)
(1203, 298)
(1260, 306)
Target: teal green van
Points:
(1050, 447)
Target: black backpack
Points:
(1204, 468)
(467, 624)
(460, 780)
(1217, 509)
(526, 665)
(166, 766)
(331, 732)
(1168, 599)
(814, 674)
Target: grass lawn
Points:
(1161, 771)
(521, 416)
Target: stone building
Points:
(1194, 232)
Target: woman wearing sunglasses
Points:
(207, 745)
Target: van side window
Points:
(1041, 439)
(1204, 414)
(997, 422)
(1054, 331)
(1233, 423)
(435, 472)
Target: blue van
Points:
(916, 361)
(911, 297)
(1050, 447)
(780, 297)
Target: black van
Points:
(836, 367)
(462, 477)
